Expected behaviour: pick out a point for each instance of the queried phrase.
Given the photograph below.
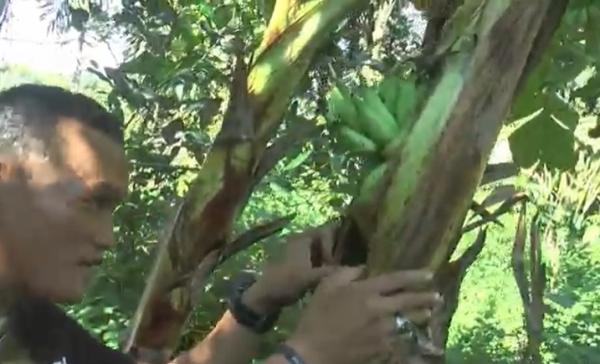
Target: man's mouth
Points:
(91, 262)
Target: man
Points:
(63, 171)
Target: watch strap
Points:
(290, 354)
(243, 314)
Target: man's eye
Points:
(100, 202)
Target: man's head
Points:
(62, 173)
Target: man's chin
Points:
(64, 296)
(63, 290)
(68, 298)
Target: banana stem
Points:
(202, 227)
(417, 208)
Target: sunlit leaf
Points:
(222, 15)
(543, 139)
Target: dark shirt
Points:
(50, 336)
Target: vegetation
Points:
(354, 133)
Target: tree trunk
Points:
(199, 237)
(412, 215)
(4, 11)
(531, 286)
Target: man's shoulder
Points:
(52, 337)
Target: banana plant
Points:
(433, 133)
(411, 208)
(4, 9)
(200, 235)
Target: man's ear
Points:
(10, 169)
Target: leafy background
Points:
(172, 90)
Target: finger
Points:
(406, 302)
(394, 282)
(314, 276)
(418, 317)
(323, 231)
(328, 228)
(328, 234)
(344, 276)
(317, 252)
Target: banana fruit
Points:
(388, 91)
(406, 102)
(373, 119)
(341, 107)
(370, 118)
(355, 141)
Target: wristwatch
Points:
(243, 314)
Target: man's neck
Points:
(7, 288)
(7, 297)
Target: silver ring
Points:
(403, 326)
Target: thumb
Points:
(316, 275)
(344, 276)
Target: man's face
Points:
(56, 210)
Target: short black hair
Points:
(44, 104)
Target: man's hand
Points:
(352, 321)
(287, 280)
(281, 284)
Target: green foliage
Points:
(556, 122)
(171, 92)
(488, 324)
(548, 100)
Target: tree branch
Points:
(499, 194)
(518, 261)
(298, 132)
(255, 234)
(497, 172)
(504, 208)
(244, 241)
(260, 96)
(484, 213)
(531, 289)
(217, 257)
(449, 280)
(551, 22)
(438, 12)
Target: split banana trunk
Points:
(200, 235)
(434, 135)
(411, 207)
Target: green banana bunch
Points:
(406, 102)
(373, 119)
(341, 107)
(370, 183)
(405, 109)
(343, 116)
(354, 141)
(388, 91)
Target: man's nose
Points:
(105, 237)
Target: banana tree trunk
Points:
(4, 10)
(410, 216)
(200, 235)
